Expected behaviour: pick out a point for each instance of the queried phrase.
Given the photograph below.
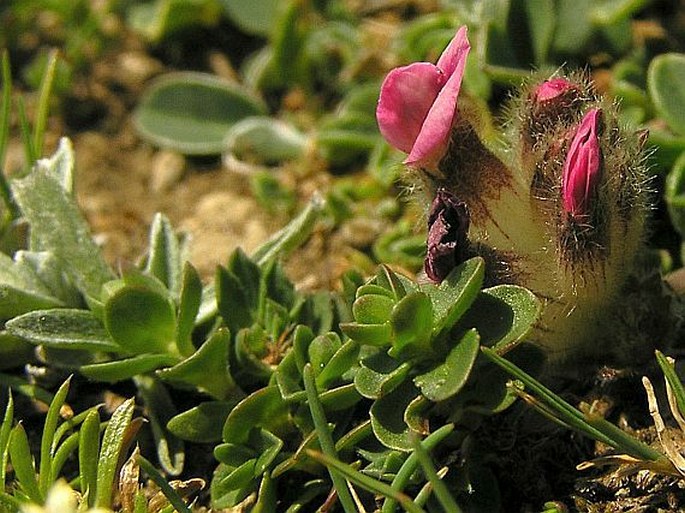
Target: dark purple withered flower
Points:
(448, 225)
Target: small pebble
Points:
(166, 171)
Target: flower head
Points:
(582, 166)
(418, 103)
(448, 224)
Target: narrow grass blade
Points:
(573, 417)
(6, 107)
(71, 424)
(171, 495)
(439, 488)
(47, 447)
(325, 438)
(88, 448)
(63, 452)
(411, 463)
(673, 380)
(25, 127)
(5, 431)
(366, 482)
(22, 462)
(112, 444)
(44, 93)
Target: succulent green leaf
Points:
(141, 320)
(374, 290)
(666, 87)
(63, 328)
(192, 112)
(379, 374)
(202, 423)
(447, 378)
(321, 349)
(379, 335)
(47, 268)
(387, 417)
(5, 433)
(412, 323)
(57, 226)
(119, 370)
(263, 408)
(340, 398)
(207, 369)
(503, 315)
(372, 309)
(256, 17)
(453, 297)
(265, 139)
(339, 363)
(161, 19)
(14, 351)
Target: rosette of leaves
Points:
(155, 323)
(419, 356)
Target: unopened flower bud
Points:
(448, 225)
(582, 167)
(554, 89)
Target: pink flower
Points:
(582, 167)
(551, 89)
(418, 103)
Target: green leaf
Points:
(207, 369)
(453, 297)
(188, 308)
(63, 328)
(323, 433)
(171, 495)
(160, 19)
(5, 432)
(141, 320)
(379, 375)
(57, 225)
(231, 485)
(503, 315)
(321, 349)
(263, 408)
(666, 87)
(541, 20)
(164, 259)
(192, 112)
(89, 446)
(255, 17)
(202, 423)
(120, 370)
(446, 379)
(338, 364)
(22, 463)
(46, 444)
(372, 308)
(573, 28)
(236, 305)
(265, 139)
(379, 335)
(412, 322)
(112, 445)
(387, 417)
(160, 409)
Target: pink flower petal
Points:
(455, 54)
(406, 97)
(434, 135)
(582, 166)
(553, 88)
